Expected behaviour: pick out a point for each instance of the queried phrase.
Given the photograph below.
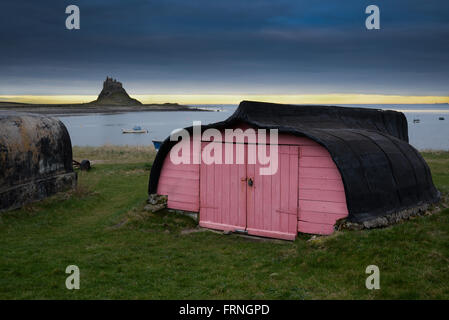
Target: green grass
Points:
(125, 252)
(115, 154)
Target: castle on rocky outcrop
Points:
(112, 84)
(114, 94)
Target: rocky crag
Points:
(113, 94)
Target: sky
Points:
(216, 50)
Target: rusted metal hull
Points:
(35, 158)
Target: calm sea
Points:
(101, 129)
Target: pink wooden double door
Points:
(236, 197)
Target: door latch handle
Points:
(250, 182)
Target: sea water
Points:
(103, 129)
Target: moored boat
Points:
(157, 144)
(136, 129)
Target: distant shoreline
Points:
(85, 108)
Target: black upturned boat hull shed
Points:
(381, 172)
(35, 158)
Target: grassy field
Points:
(125, 252)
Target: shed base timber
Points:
(17, 196)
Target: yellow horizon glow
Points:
(235, 99)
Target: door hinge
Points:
(288, 212)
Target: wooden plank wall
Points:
(181, 183)
(273, 199)
(223, 194)
(322, 199)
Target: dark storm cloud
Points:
(233, 46)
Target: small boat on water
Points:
(157, 144)
(441, 118)
(416, 121)
(136, 129)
